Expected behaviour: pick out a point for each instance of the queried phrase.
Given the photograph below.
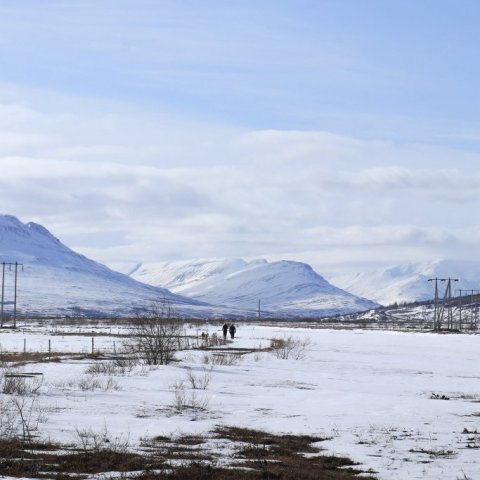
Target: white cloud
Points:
(148, 188)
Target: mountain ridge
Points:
(283, 287)
(55, 279)
(409, 282)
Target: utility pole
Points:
(460, 304)
(447, 300)
(436, 325)
(2, 310)
(15, 297)
(472, 306)
(259, 303)
(450, 303)
(3, 293)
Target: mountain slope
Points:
(409, 282)
(285, 287)
(56, 280)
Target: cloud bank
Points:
(125, 187)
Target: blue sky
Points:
(280, 128)
(347, 65)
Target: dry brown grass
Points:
(259, 455)
(19, 359)
(42, 460)
(283, 456)
(23, 358)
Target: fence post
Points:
(93, 345)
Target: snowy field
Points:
(376, 395)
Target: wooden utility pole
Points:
(3, 293)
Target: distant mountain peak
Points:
(55, 278)
(284, 286)
(409, 282)
(9, 220)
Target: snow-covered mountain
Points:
(54, 279)
(409, 282)
(284, 287)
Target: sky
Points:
(342, 133)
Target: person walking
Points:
(225, 331)
(232, 331)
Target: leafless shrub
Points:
(8, 419)
(208, 340)
(258, 356)
(289, 347)
(94, 441)
(199, 381)
(188, 400)
(110, 384)
(18, 384)
(14, 381)
(223, 359)
(180, 395)
(89, 383)
(198, 402)
(20, 417)
(156, 334)
(14, 385)
(29, 414)
(102, 368)
(113, 367)
(126, 363)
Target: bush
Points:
(289, 347)
(200, 381)
(118, 366)
(156, 335)
(13, 381)
(92, 441)
(102, 368)
(226, 359)
(18, 384)
(19, 417)
(90, 383)
(185, 400)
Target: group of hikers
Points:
(226, 329)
